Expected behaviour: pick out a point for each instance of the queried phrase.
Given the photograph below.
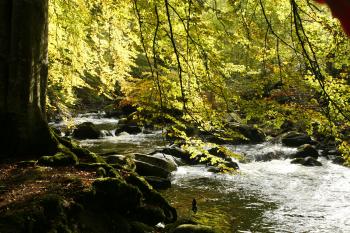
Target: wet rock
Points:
(147, 169)
(254, 135)
(214, 169)
(231, 164)
(332, 153)
(295, 139)
(308, 161)
(158, 183)
(267, 156)
(160, 160)
(304, 151)
(128, 128)
(176, 152)
(86, 130)
(338, 160)
(191, 228)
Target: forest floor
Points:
(19, 183)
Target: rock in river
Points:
(295, 139)
(304, 151)
(308, 161)
(86, 130)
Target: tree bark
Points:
(23, 78)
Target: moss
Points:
(110, 171)
(114, 194)
(101, 172)
(151, 215)
(84, 155)
(152, 197)
(59, 159)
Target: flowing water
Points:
(273, 196)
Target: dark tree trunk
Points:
(23, 78)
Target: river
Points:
(272, 196)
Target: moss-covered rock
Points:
(83, 154)
(59, 159)
(110, 171)
(114, 194)
(122, 161)
(151, 215)
(152, 197)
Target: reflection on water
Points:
(226, 210)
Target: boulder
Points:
(231, 164)
(295, 139)
(176, 152)
(160, 160)
(86, 130)
(267, 156)
(122, 160)
(191, 228)
(308, 161)
(115, 194)
(128, 128)
(254, 135)
(338, 160)
(146, 169)
(304, 151)
(150, 215)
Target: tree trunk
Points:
(23, 78)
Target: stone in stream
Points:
(268, 156)
(86, 130)
(124, 161)
(128, 128)
(295, 139)
(147, 169)
(176, 152)
(308, 161)
(304, 151)
(158, 159)
(254, 135)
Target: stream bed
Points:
(272, 196)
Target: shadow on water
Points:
(226, 209)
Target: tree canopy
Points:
(255, 61)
